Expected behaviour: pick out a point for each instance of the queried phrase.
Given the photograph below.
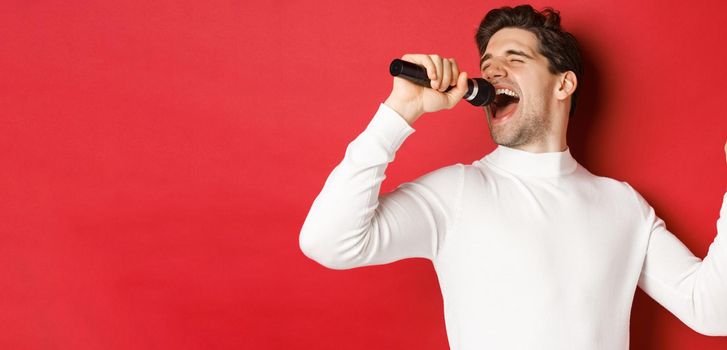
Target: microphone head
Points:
(479, 92)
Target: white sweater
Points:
(532, 251)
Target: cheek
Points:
(539, 90)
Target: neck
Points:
(549, 143)
(553, 141)
(558, 145)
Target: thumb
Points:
(460, 89)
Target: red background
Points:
(157, 160)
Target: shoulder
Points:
(445, 177)
(610, 189)
(441, 187)
(604, 183)
(620, 192)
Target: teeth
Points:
(506, 92)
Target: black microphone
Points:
(479, 91)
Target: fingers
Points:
(442, 72)
(424, 61)
(455, 71)
(446, 75)
(437, 61)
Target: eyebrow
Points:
(507, 53)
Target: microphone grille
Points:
(485, 93)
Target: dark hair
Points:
(558, 46)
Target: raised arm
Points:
(350, 224)
(694, 290)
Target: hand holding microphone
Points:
(431, 83)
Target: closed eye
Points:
(512, 60)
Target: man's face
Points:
(511, 61)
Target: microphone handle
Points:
(479, 91)
(411, 72)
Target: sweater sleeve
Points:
(351, 225)
(692, 289)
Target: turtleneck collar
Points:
(532, 164)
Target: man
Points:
(531, 250)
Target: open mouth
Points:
(504, 104)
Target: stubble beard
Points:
(525, 129)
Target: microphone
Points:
(479, 91)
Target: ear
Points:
(567, 84)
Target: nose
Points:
(494, 70)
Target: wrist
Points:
(406, 110)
